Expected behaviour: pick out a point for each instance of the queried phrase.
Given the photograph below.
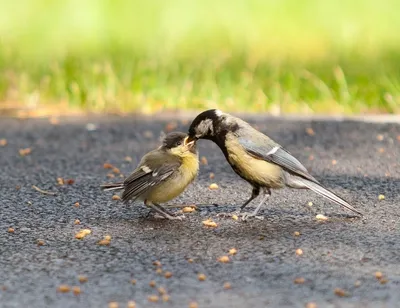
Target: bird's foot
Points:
(245, 216)
(169, 217)
(229, 214)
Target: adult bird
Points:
(256, 158)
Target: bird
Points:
(162, 174)
(256, 158)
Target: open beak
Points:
(189, 142)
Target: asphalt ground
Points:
(359, 161)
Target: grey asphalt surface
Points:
(336, 253)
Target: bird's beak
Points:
(189, 142)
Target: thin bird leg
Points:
(267, 193)
(162, 208)
(162, 213)
(254, 194)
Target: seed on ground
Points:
(296, 233)
(165, 297)
(82, 279)
(311, 305)
(299, 251)
(321, 217)
(223, 259)
(133, 281)
(340, 292)
(112, 305)
(77, 222)
(153, 298)
(227, 286)
(213, 186)
(3, 142)
(378, 275)
(152, 283)
(168, 275)
(40, 242)
(76, 290)
(188, 209)
(232, 251)
(381, 197)
(212, 175)
(203, 160)
(64, 288)
(116, 197)
(162, 290)
(10, 230)
(131, 304)
(157, 263)
(201, 277)
(210, 223)
(193, 305)
(299, 280)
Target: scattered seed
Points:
(311, 305)
(190, 260)
(340, 292)
(11, 230)
(82, 233)
(110, 175)
(310, 203)
(299, 280)
(159, 271)
(378, 275)
(188, 209)
(383, 281)
(357, 283)
(235, 217)
(64, 288)
(210, 223)
(60, 181)
(113, 305)
(108, 166)
(116, 197)
(232, 251)
(193, 305)
(77, 222)
(133, 281)
(76, 204)
(70, 181)
(299, 251)
(128, 159)
(82, 279)
(227, 286)
(379, 137)
(157, 263)
(381, 197)
(321, 217)
(203, 160)
(162, 290)
(168, 275)
(116, 170)
(223, 259)
(165, 297)
(213, 186)
(40, 242)
(398, 138)
(311, 157)
(76, 290)
(212, 175)
(201, 277)
(296, 233)
(24, 152)
(153, 298)
(334, 162)
(3, 142)
(310, 131)
(103, 242)
(152, 283)
(131, 304)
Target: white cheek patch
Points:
(205, 126)
(145, 169)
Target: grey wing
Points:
(274, 153)
(144, 179)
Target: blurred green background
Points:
(278, 56)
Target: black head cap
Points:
(173, 139)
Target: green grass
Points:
(290, 56)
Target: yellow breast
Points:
(254, 170)
(177, 182)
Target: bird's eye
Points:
(179, 143)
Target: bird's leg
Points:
(159, 209)
(254, 194)
(267, 193)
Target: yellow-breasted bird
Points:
(256, 158)
(162, 174)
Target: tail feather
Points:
(112, 186)
(316, 187)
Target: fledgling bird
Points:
(256, 158)
(162, 174)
